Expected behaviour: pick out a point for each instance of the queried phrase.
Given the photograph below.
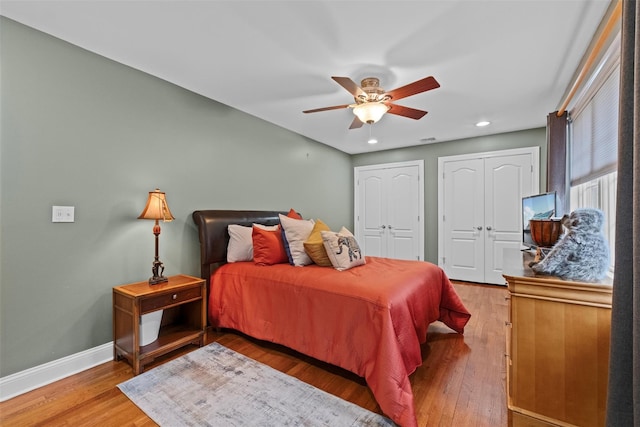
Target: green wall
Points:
(78, 129)
(430, 153)
(81, 130)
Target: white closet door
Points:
(479, 207)
(370, 198)
(464, 220)
(388, 210)
(403, 215)
(507, 180)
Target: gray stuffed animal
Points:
(583, 253)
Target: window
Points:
(593, 145)
(599, 193)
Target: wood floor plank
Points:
(460, 383)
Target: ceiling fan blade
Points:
(356, 123)
(350, 85)
(428, 83)
(400, 110)
(335, 107)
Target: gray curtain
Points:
(623, 399)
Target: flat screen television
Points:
(539, 206)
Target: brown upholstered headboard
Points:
(214, 237)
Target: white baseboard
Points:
(38, 376)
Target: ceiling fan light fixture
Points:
(370, 112)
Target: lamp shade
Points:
(156, 207)
(370, 112)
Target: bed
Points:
(370, 319)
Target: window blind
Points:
(594, 139)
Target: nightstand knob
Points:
(174, 296)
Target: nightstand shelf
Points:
(183, 301)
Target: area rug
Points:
(215, 386)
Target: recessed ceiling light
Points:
(481, 124)
(372, 141)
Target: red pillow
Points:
(268, 247)
(294, 214)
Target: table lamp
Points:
(157, 209)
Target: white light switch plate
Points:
(63, 214)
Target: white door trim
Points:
(356, 206)
(535, 156)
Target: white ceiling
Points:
(509, 61)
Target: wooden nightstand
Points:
(184, 319)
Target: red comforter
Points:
(369, 320)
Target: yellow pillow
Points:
(314, 247)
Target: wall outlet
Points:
(63, 214)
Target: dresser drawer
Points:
(170, 298)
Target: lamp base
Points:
(157, 271)
(156, 280)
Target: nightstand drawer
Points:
(164, 300)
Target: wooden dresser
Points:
(557, 347)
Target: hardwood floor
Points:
(461, 382)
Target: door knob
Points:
(390, 227)
(383, 226)
(489, 228)
(479, 227)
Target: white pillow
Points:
(342, 249)
(240, 247)
(296, 232)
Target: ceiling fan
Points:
(372, 102)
